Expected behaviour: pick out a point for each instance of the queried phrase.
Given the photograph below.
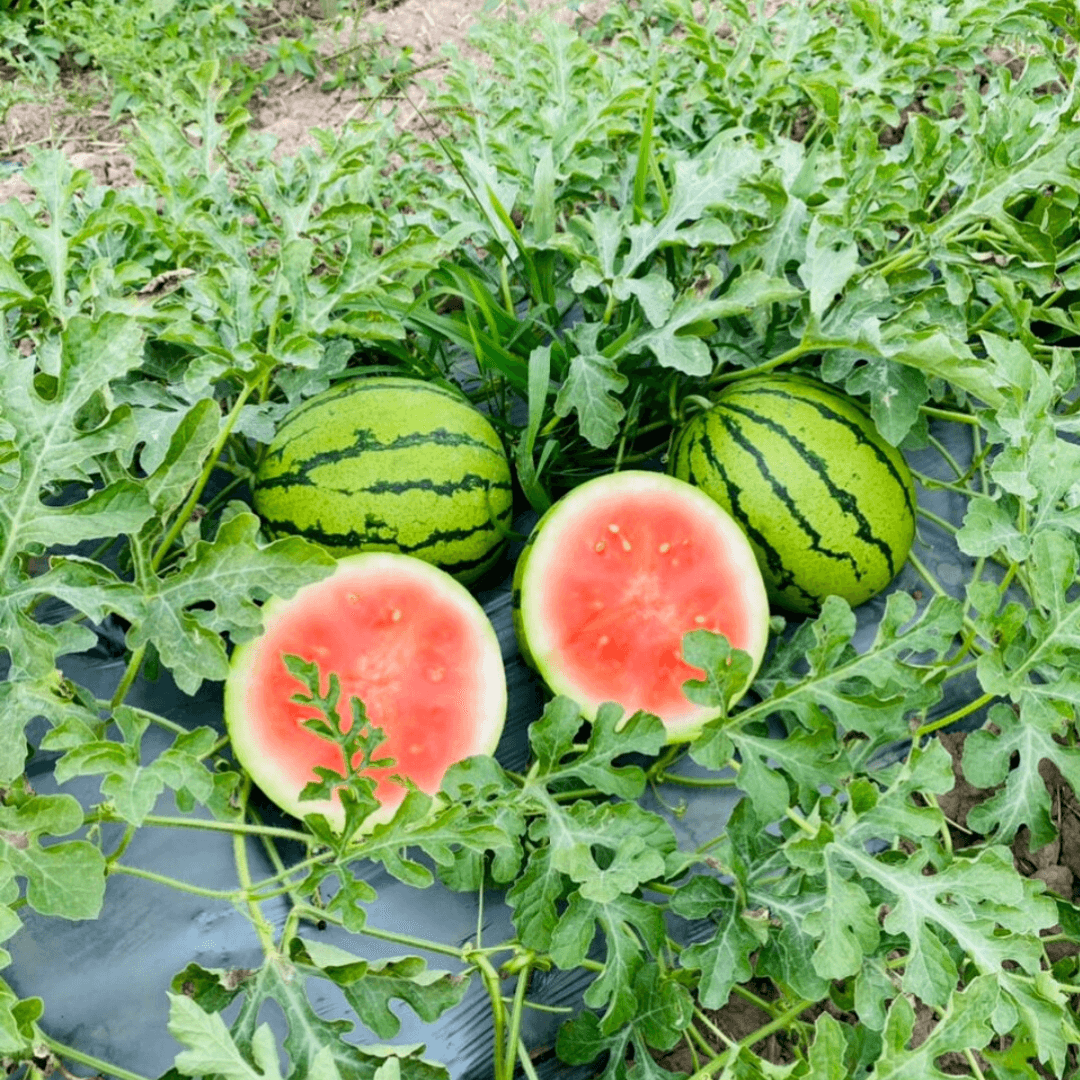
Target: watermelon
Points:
(403, 636)
(389, 464)
(828, 504)
(613, 576)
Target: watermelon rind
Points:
(827, 503)
(552, 540)
(272, 776)
(388, 463)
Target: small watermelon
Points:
(389, 464)
(403, 636)
(614, 575)
(828, 504)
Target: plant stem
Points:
(700, 1015)
(780, 1022)
(695, 1037)
(303, 864)
(974, 1065)
(239, 827)
(515, 1017)
(559, 1010)
(71, 1054)
(243, 873)
(185, 512)
(154, 718)
(175, 883)
(943, 450)
(132, 669)
(526, 1062)
(925, 574)
(940, 522)
(799, 820)
(767, 1007)
(695, 781)
(949, 414)
(788, 357)
(126, 839)
(490, 978)
(464, 955)
(932, 483)
(958, 714)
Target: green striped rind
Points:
(390, 464)
(827, 503)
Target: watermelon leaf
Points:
(611, 737)
(590, 389)
(370, 987)
(724, 959)
(628, 924)
(873, 691)
(214, 589)
(131, 784)
(1012, 756)
(65, 878)
(727, 670)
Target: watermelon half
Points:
(615, 573)
(403, 636)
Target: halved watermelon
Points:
(403, 636)
(615, 574)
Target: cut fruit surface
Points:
(404, 637)
(616, 573)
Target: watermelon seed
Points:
(395, 615)
(352, 598)
(603, 640)
(600, 545)
(665, 548)
(699, 619)
(613, 528)
(625, 544)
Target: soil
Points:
(288, 108)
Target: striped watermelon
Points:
(389, 464)
(828, 504)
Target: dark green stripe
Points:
(847, 502)
(365, 442)
(783, 577)
(363, 386)
(838, 418)
(449, 488)
(357, 539)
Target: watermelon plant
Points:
(621, 224)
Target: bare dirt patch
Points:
(287, 108)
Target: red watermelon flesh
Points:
(404, 637)
(620, 570)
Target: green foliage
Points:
(619, 223)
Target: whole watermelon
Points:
(827, 503)
(386, 463)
